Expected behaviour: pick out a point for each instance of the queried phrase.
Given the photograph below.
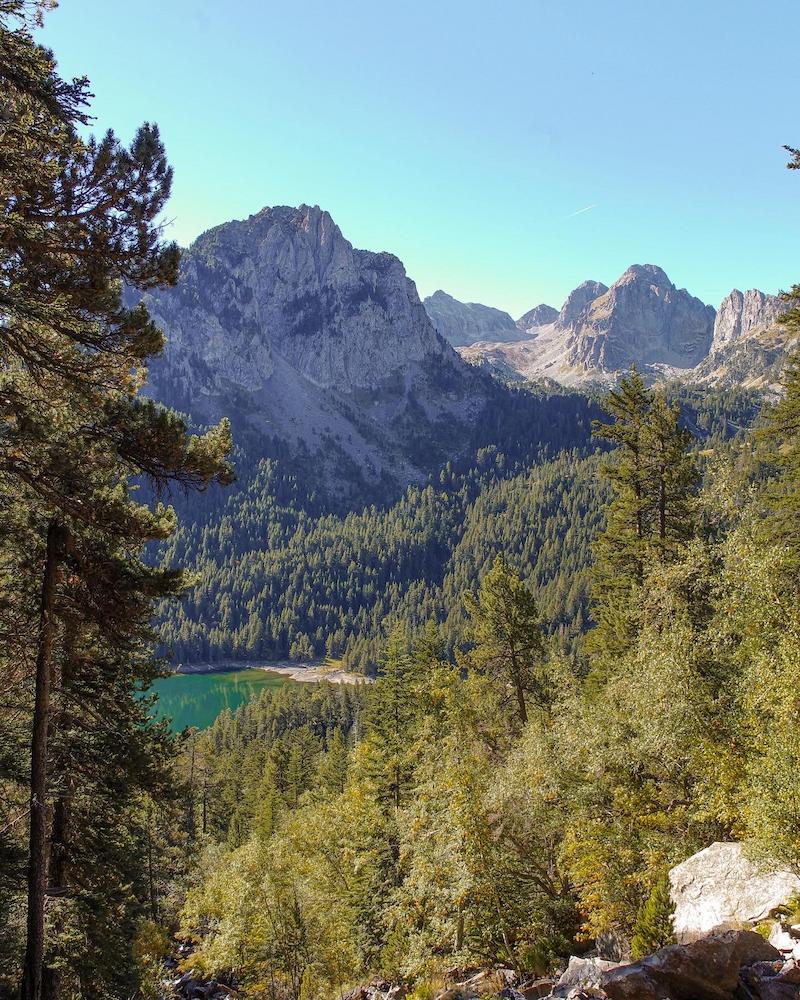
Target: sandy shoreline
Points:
(306, 673)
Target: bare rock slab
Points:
(720, 888)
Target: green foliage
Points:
(654, 478)
(506, 633)
(84, 769)
(653, 928)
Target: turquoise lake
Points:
(197, 699)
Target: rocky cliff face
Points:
(578, 300)
(600, 332)
(750, 347)
(742, 314)
(278, 322)
(465, 323)
(286, 283)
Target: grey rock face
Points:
(465, 323)
(541, 315)
(577, 300)
(643, 319)
(742, 314)
(279, 323)
(285, 281)
(719, 888)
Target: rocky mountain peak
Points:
(601, 331)
(286, 282)
(280, 323)
(577, 300)
(540, 315)
(465, 323)
(742, 314)
(651, 274)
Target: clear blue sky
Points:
(466, 136)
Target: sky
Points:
(504, 151)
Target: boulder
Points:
(719, 888)
(379, 989)
(582, 973)
(537, 989)
(706, 969)
(772, 981)
(489, 982)
(781, 939)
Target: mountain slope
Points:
(464, 323)
(317, 351)
(749, 347)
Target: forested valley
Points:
(280, 576)
(585, 652)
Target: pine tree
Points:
(507, 634)
(652, 512)
(78, 219)
(391, 715)
(654, 928)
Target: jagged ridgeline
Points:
(643, 318)
(379, 474)
(324, 358)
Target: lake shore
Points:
(306, 673)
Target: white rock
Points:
(582, 973)
(720, 888)
(781, 939)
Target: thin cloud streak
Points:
(580, 211)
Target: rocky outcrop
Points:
(743, 314)
(582, 973)
(577, 301)
(707, 969)
(719, 887)
(465, 323)
(642, 319)
(750, 346)
(541, 315)
(315, 350)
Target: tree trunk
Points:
(61, 831)
(523, 711)
(37, 864)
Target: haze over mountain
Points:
(642, 319)
(465, 323)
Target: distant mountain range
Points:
(324, 357)
(641, 319)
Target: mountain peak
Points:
(541, 315)
(465, 323)
(650, 273)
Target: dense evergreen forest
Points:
(504, 792)
(279, 576)
(509, 807)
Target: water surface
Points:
(197, 699)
